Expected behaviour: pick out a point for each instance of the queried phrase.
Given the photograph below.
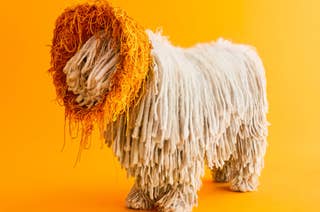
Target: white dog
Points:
(205, 104)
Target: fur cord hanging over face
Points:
(164, 110)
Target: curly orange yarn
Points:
(73, 28)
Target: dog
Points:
(166, 111)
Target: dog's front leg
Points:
(179, 195)
(139, 199)
(179, 198)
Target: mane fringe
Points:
(72, 29)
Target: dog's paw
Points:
(243, 187)
(137, 199)
(176, 209)
(175, 201)
(182, 207)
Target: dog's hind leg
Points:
(222, 175)
(247, 163)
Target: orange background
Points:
(36, 176)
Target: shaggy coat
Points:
(201, 105)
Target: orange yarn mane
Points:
(72, 29)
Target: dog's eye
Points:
(82, 62)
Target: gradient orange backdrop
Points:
(36, 176)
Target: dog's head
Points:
(100, 58)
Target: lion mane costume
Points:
(164, 110)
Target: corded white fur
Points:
(90, 69)
(205, 103)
